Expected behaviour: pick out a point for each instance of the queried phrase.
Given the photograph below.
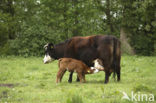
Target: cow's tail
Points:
(114, 63)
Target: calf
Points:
(73, 65)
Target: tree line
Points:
(26, 25)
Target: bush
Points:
(31, 40)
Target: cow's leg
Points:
(118, 73)
(70, 77)
(77, 79)
(118, 68)
(107, 74)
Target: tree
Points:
(33, 23)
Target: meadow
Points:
(28, 80)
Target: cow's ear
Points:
(45, 46)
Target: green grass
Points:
(28, 80)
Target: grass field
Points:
(28, 80)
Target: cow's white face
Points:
(47, 59)
(49, 53)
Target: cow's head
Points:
(49, 53)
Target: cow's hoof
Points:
(105, 82)
(69, 81)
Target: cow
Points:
(73, 65)
(87, 49)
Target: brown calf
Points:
(73, 65)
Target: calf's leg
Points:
(77, 79)
(60, 74)
(84, 80)
(80, 77)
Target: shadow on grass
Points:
(91, 82)
(9, 85)
(102, 82)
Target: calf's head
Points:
(49, 53)
(95, 70)
(92, 70)
(98, 64)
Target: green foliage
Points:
(138, 19)
(32, 39)
(26, 25)
(3, 29)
